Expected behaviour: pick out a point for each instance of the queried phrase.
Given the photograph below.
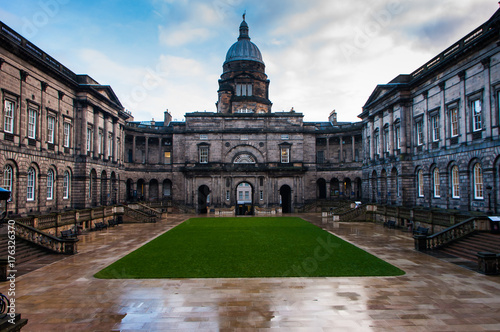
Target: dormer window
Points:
(244, 89)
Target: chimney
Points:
(168, 118)
(333, 117)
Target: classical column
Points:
(353, 142)
(341, 159)
(146, 152)
(115, 140)
(487, 109)
(96, 134)
(462, 114)
(133, 148)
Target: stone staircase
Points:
(468, 247)
(28, 256)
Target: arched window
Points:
(8, 179)
(478, 182)
(437, 187)
(30, 184)
(50, 184)
(420, 183)
(66, 185)
(455, 182)
(244, 159)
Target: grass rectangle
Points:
(247, 247)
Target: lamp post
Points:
(4, 198)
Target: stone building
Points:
(432, 137)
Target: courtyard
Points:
(433, 295)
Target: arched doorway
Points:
(130, 191)
(348, 192)
(203, 199)
(139, 193)
(244, 199)
(321, 183)
(357, 185)
(286, 199)
(334, 188)
(167, 189)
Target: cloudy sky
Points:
(320, 55)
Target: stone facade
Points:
(432, 137)
(428, 139)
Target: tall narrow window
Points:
(8, 179)
(437, 185)
(420, 132)
(435, 128)
(420, 183)
(261, 195)
(67, 134)
(478, 182)
(285, 155)
(203, 150)
(51, 121)
(66, 185)
(386, 140)
(397, 137)
(31, 124)
(100, 142)
(244, 89)
(30, 184)
(476, 115)
(320, 157)
(168, 157)
(110, 145)
(377, 143)
(455, 181)
(8, 123)
(454, 122)
(89, 139)
(50, 184)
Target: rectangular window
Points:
(455, 179)
(89, 139)
(476, 114)
(67, 134)
(240, 195)
(31, 123)
(420, 179)
(244, 89)
(435, 128)
(228, 195)
(247, 195)
(454, 122)
(377, 144)
(285, 155)
(204, 154)
(30, 185)
(397, 137)
(386, 141)
(8, 126)
(66, 185)
(50, 185)
(321, 157)
(110, 145)
(419, 126)
(204, 137)
(437, 185)
(50, 129)
(261, 195)
(168, 156)
(100, 142)
(284, 136)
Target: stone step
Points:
(469, 247)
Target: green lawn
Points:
(247, 247)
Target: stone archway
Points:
(203, 199)
(244, 199)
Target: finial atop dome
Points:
(244, 28)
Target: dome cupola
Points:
(244, 49)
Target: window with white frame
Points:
(30, 184)
(203, 152)
(478, 182)
(244, 89)
(90, 134)
(376, 142)
(477, 123)
(66, 185)
(420, 183)
(285, 155)
(32, 123)
(50, 184)
(437, 184)
(244, 110)
(397, 137)
(454, 122)
(455, 182)
(8, 179)
(435, 128)
(419, 129)
(8, 123)
(66, 134)
(51, 122)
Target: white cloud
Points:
(182, 35)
